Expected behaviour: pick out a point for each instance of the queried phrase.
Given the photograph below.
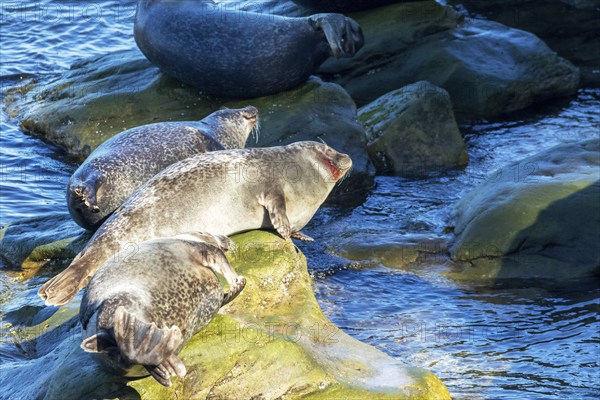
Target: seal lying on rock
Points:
(344, 6)
(239, 54)
(140, 309)
(222, 192)
(124, 162)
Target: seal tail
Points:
(144, 343)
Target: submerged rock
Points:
(536, 218)
(273, 341)
(103, 96)
(412, 131)
(569, 27)
(488, 68)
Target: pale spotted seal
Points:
(124, 162)
(139, 310)
(239, 54)
(222, 192)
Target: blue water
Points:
(518, 341)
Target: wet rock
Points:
(569, 27)
(103, 96)
(273, 341)
(393, 250)
(488, 68)
(412, 132)
(536, 218)
(28, 245)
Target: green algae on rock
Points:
(536, 218)
(273, 341)
(412, 132)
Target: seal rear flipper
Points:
(63, 287)
(144, 343)
(85, 192)
(343, 34)
(274, 203)
(172, 366)
(99, 343)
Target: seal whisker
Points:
(256, 130)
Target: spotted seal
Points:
(124, 162)
(140, 310)
(222, 192)
(239, 54)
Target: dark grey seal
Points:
(344, 6)
(223, 192)
(141, 309)
(124, 162)
(239, 54)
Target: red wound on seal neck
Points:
(332, 168)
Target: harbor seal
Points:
(344, 6)
(239, 54)
(124, 162)
(140, 310)
(222, 192)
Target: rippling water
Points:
(519, 341)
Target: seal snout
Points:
(250, 113)
(342, 163)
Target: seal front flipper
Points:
(220, 241)
(209, 253)
(234, 290)
(343, 34)
(144, 343)
(172, 366)
(274, 203)
(216, 260)
(301, 236)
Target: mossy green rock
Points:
(488, 68)
(536, 218)
(273, 341)
(412, 132)
(100, 97)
